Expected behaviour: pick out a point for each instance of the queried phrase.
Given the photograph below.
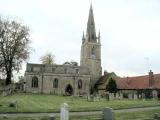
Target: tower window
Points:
(92, 36)
(93, 50)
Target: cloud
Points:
(130, 30)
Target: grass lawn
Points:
(140, 115)
(51, 103)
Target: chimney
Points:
(151, 78)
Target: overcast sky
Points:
(130, 31)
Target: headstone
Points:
(156, 116)
(117, 96)
(135, 96)
(130, 96)
(108, 114)
(154, 94)
(51, 117)
(111, 96)
(64, 115)
(88, 98)
(121, 96)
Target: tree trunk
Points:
(8, 78)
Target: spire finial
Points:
(91, 31)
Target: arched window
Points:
(55, 83)
(34, 82)
(93, 50)
(80, 84)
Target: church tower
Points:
(91, 49)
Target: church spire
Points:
(91, 31)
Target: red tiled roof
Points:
(138, 82)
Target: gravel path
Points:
(75, 113)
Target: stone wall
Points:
(45, 80)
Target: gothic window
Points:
(77, 71)
(92, 36)
(55, 83)
(93, 51)
(34, 82)
(80, 84)
(65, 70)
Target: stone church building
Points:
(69, 79)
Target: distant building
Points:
(146, 86)
(69, 79)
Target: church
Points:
(69, 79)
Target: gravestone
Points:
(111, 96)
(51, 117)
(135, 96)
(130, 96)
(117, 96)
(121, 96)
(64, 115)
(108, 114)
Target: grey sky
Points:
(130, 30)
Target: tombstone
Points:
(130, 96)
(91, 98)
(154, 94)
(64, 115)
(51, 117)
(135, 96)
(108, 114)
(156, 116)
(117, 96)
(88, 98)
(111, 96)
(121, 96)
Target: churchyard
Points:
(25, 102)
(139, 115)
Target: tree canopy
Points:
(14, 46)
(48, 58)
(111, 86)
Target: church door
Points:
(69, 90)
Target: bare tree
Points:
(48, 58)
(14, 46)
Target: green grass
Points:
(140, 115)
(51, 103)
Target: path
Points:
(76, 113)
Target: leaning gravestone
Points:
(108, 114)
(64, 115)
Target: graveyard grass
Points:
(51, 103)
(140, 115)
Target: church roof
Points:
(138, 82)
(151, 81)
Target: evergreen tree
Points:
(111, 86)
